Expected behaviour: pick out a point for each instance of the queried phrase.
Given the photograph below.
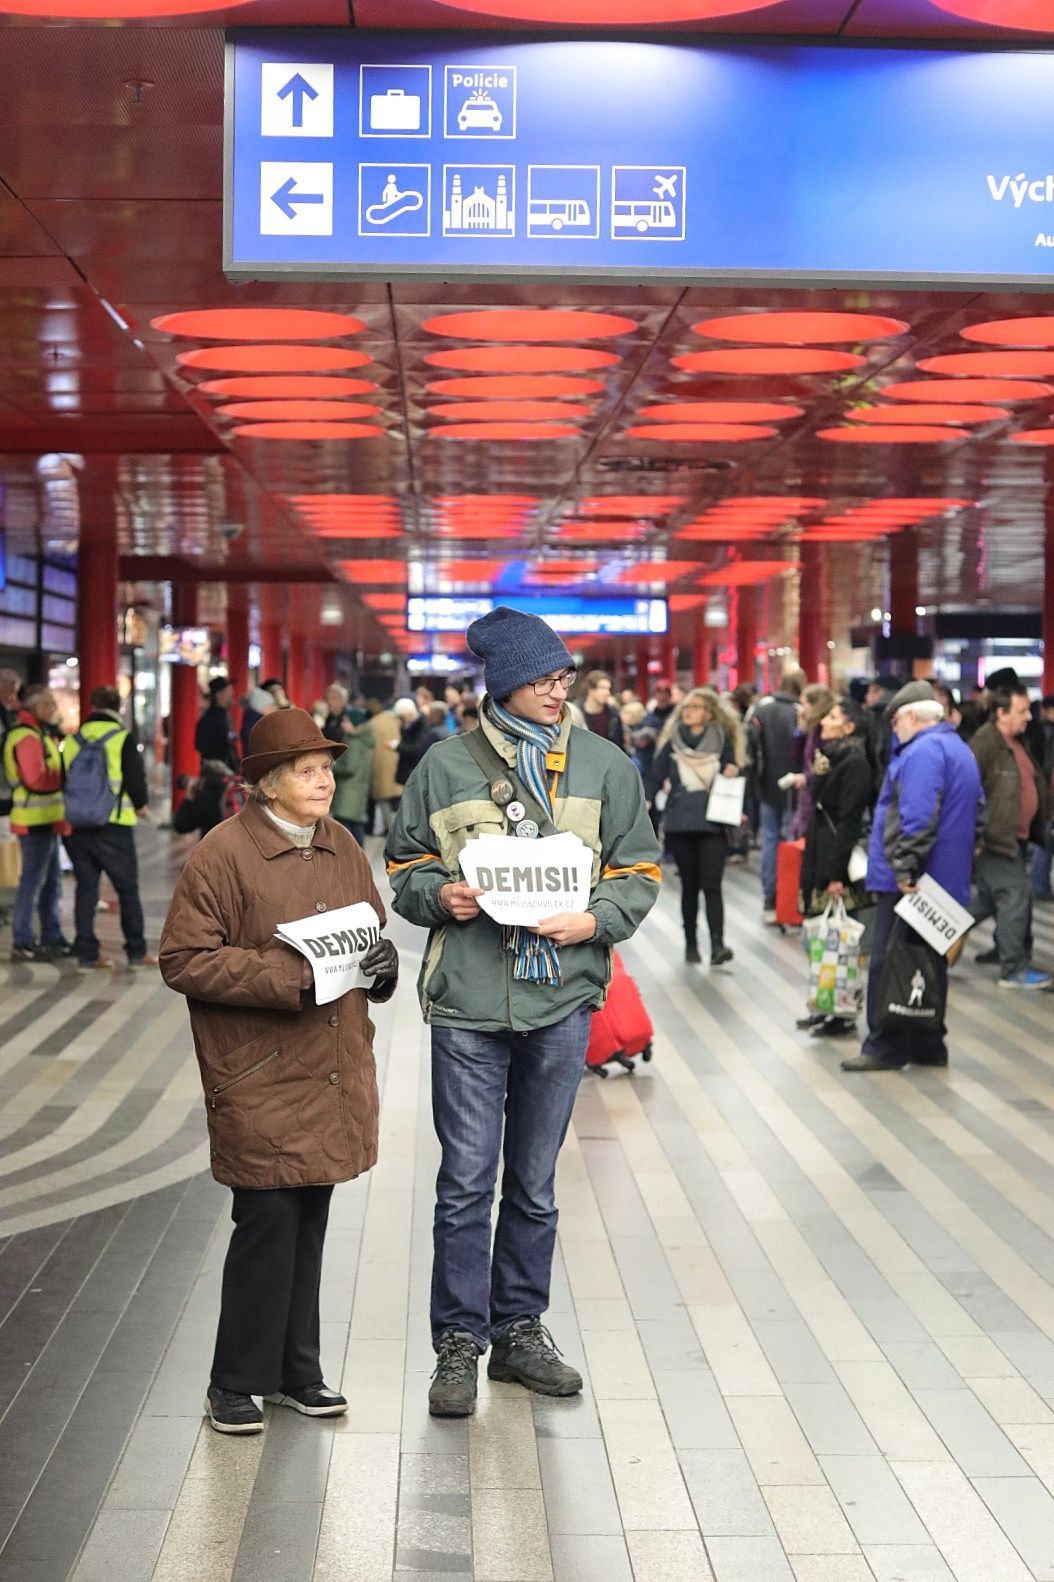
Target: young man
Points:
(601, 716)
(510, 1007)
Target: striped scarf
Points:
(537, 959)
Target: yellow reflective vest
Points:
(116, 736)
(30, 809)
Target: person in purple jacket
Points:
(925, 822)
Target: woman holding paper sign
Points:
(698, 744)
(290, 1087)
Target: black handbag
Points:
(911, 989)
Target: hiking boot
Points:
(453, 1389)
(721, 956)
(527, 1355)
(232, 1413)
(312, 1400)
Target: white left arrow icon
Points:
(296, 199)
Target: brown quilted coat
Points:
(290, 1086)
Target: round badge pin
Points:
(516, 811)
(502, 792)
(527, 829)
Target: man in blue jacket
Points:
(925, 822)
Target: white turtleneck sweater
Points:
(299, 834)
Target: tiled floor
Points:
(815, 1312)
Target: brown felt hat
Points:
(282, 736)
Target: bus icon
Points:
(647, 203)
(558, 212)
(563, 200)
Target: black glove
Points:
(381, 962)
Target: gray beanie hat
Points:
(515, 648)
(914, 692)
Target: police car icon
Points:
(479, 110)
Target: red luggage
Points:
(788, 882)
(622, 1027)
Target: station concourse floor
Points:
(815, 1312)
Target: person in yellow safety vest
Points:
(105, 799)
(33, 769)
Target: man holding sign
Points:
(289, 1079)
(541, 815)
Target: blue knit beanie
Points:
(515, 648)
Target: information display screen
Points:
(566, 614)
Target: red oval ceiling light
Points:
(720, 412)
(968, 390)
(907, 434)
(769, 360)
(1034, 436)
(606, 13)
(924, 412)
(301, 411)
(289, 388)
(530, 324)
(800, 329)
(508, 411)
(272, 359)
(649, 505)
(1036, 331)
(113, 10)
(259, 324)
(1032, 16)
(702, 433)
(527, 387)
(507, 431)
(615, 531)
(743, 572)
(522, 359)
(309, 431)
(999, 365)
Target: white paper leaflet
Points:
(524, 881)
(334, 943)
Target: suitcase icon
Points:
(395, 111)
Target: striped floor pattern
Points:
(815, 1312)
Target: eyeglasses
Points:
(565, 679)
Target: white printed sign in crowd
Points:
(934, 914)
(524, 881)
(334, 943)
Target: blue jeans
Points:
(37, 888)
(773, 824)
(1040, 872)
(530, 1079)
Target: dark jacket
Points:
(214, 738)
(927, 815)
(414, 742)
(1002, 788)
(685, 811)
(204, 808)
(250, 717)
(610, 724)
(841, 795)
(773, 725)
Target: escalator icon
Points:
(394, 200)
(393, 203)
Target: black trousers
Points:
(700, 859)
(110, 851)
(925, 1043)
(268, 1334)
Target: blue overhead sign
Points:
(357, 153)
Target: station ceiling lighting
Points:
(1000, 365)
(998, 390)
(924, 412)
(800, 329)
(701, 433)
(506, 431)
(113, 10)
(258, 324)
(508, 386)
(522, 359)
(903, 434)
(1032, 332)
(373, 571)
(719, 412)
(769, 360)
(509, 411)
(657, 571)
(647, 505)
(1034, 436)
(300, 411)
(530, 324)
(741, 573)
(1032, 16)
(273, 359)
(384, 601)
(599, 532)
(606, 13)
(286, 388)
(309, 431)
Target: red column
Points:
(669, 658)
(700, 648)
(1048, 598)
(811, 652)
(238, 647)
(186, 696)
(97, 613)
(904, 583)
(321, 669)
(642, 655)
(297, 681)
(271, 662)
(746, 634)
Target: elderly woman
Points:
(701, 739)
(290, 1087)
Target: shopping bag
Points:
(910, 992)
(835, 977)
(10, 863)
(724, 805)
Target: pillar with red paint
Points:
(97, 612)
(746, 633)
(186, 695)
(812, 652)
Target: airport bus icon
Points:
(642, 215)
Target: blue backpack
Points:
(90, 798)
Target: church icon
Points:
(479, 200)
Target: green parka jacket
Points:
(466, 979)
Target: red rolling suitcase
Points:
(622, 1027)
(788, 882)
